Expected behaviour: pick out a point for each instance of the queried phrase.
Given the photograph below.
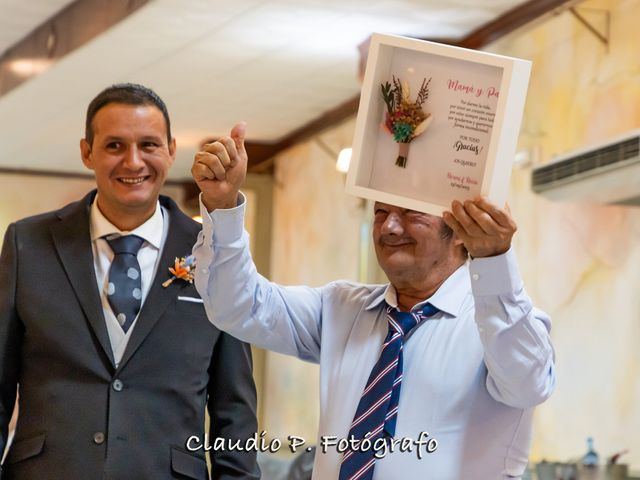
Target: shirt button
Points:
(118, 385)
(98, 438)
(475, 276)
(204, 271)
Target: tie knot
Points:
(403, 322)
(125, 244)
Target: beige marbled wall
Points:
(25, 195)
(580, 262)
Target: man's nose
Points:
(392, 225)
(133, 158)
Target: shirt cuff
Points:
(495, 275)
(223, 225)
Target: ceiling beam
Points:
(490, 32)
(66, 31)
(324, 121)
(513, 19)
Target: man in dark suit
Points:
(113, 384)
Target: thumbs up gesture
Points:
(220, 168)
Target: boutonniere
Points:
(182, 269)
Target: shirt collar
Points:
(150, 231)
(448, 298)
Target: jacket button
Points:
(118, 385)
(98, 438)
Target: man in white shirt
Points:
(116, 362)
(447, 397)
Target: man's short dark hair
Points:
(128, 94)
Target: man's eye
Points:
(419, 216)
(114, 146)
(150, 145)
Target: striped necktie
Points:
(377, 411)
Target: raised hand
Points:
(220, 168)
(485, 229)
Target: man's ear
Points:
(172, 150)
(458, 244)
(457, 241)
(85, 153)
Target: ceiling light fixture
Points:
(29, 67)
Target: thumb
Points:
(237, 134)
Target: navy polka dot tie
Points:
(124, 290)
(375, 418)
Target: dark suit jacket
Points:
(82, 418)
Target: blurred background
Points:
(292, 70)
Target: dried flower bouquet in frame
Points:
(404, 119)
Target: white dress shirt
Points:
(154, 232)
(472, 373)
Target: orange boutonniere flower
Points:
(182, 269)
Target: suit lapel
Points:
(180, 240)
(72, 240)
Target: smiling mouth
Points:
(395, 241)
(395, 245)
(132, 180)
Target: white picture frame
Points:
(475, 104)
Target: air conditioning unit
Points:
(604, 173)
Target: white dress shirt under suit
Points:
(472, 373)
(154, 232)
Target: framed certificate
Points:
(436, 123)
